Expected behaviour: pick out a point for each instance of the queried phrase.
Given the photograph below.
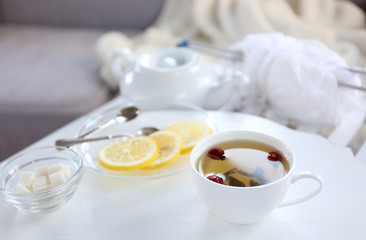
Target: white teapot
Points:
(172, 73)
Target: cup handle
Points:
(121, 61)
(303, 175)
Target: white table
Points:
(169, 207)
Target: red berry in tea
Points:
(216, 179)
(216, 153)
(274, 156)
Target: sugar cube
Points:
(41, 171)
(66, 171)
(59, 167)
(42, 188)
(19, 188)
(42, 179)
(57, 178)
(26, 178)
(39, 182)
(55, 168)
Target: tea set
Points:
(179, 74)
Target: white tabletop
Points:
(169, 207)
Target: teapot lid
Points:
(169, 59)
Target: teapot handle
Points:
(121, 61)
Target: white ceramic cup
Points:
(245, 205)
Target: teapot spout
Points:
(220, 92)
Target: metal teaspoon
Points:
(145, 131)
(126, 114)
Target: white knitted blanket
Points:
(338, 24)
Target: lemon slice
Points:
(191, 132)
(169, 145)
(128, 154)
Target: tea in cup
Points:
(243, 176)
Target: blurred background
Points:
(49, 70)
(50, 67)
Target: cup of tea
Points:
(242, 176)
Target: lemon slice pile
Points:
(155, 151)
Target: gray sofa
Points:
(48, 66)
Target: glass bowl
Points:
(159, 113)
(31, 160)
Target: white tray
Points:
(169, 207)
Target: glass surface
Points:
(153, 113)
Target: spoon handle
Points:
(73, 141)
(98, 128)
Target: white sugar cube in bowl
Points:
(41, 179)
(26, 178)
